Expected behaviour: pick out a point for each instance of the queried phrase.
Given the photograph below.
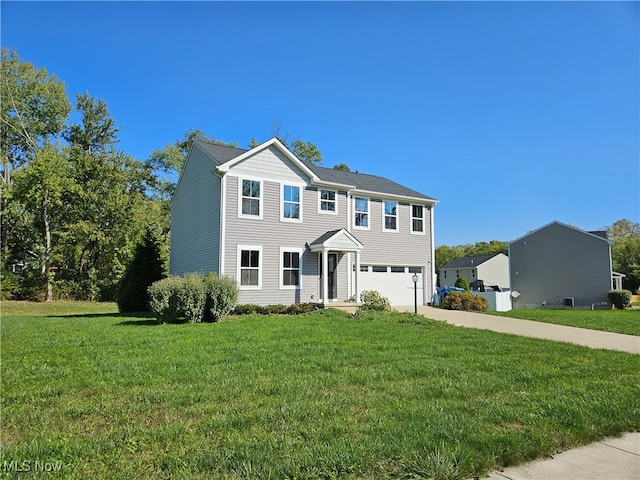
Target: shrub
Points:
(621, 299)
(193, 298)
(221, 296)
(372, 300)
(278, 309)
(163, 299)
(465, 301)
(461, 282)
(145, 268)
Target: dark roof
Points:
(363, 181)
(372, 183)
(468, 262)
(221, 153)
(600, 233)
(324, 237)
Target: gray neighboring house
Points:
(276, 224)
(560, 265)
(493, 269)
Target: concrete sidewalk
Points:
(528, 328)
(611, 459)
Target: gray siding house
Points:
(560, 265)
(493, 269)
(276, 224)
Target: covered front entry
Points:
(330, 246)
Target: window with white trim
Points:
(291, 203)
(250, 267)
(390, 216)
(361, 209)
(417, 219)
(290, 267)
(250, 198)
(328, 201)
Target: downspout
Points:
(432, 286)
(223, 223)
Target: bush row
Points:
(465, 301)
(295, 309)
(192, 298)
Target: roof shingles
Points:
(364, 182)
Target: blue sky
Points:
(511, 114)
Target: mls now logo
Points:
(28, 466)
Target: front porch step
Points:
(350, 307)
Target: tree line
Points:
(74, 207)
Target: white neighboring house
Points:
(276, 224)
(493, 269)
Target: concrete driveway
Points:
(528, 328)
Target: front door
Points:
(332, 278)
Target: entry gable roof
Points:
(339, 240)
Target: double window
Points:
(250, 267)
(417, 219)
(328, 201)
(361, 209)
(291, 203)
(390, 216)
(290, 267)
(250, 198)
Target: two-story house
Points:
(292, 232)
(561, 265)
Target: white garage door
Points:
(395, 283)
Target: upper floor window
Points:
(361, 213)
(250, 204)
(291, 202)
(390, 215)
(328, 201)
(417, 219)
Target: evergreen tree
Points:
(462, 283)
(145, 268)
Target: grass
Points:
(618, 321)
(319, 396)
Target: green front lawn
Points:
(319, 396)
(618, 321)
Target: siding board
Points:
(195, 217)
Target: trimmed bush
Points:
(461, 282)
(372, 300)
(621, 299)
(164, 299)
(465, 301)
(221, 294)
(192, 298)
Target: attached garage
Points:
(393, 282)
